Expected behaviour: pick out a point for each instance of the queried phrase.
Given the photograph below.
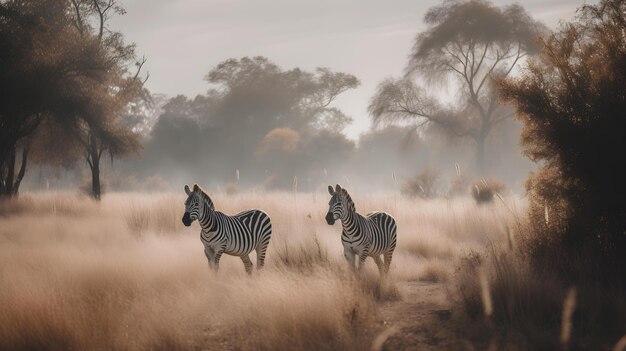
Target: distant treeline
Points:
(78, 95)
(273, 126)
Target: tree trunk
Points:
(94, 164)
(7, 174)
(95, 180)
(21, 173)
(9, 183)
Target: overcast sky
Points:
(184, 39)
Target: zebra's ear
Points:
(196, 187)
(337, 188)
(331, 191)
(187, 190)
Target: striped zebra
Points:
(372, 235)
(234, 235)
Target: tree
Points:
(247, 84)
(45, 71)
(143, 111)
(470, 43)
(257, 117)
(103, 130)
(257, 97)
(572, 102)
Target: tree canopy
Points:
(60, 63)
(468, 43)
(254, 106)
(46, 72)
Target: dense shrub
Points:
(483, 191)
(572, 104)
(423, 185)
(564, 285)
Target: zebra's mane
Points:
(204, 196)
(351, 206)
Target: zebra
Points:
(372, 235)
(234, 235)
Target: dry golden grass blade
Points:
(485, 293)
(381, 338)
(569, 306)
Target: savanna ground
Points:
(126, 274)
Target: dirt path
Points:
(420, 321)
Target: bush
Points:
(422, 185)
(572, 104)
(483, 190)
(568, 279)
(527, 304)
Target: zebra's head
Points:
(194, 205)
(339, 205)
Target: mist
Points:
(280, 175)
(262, 123)
(263, 127)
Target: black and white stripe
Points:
(373, 235)
(236, 235)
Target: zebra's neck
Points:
(207, 217)
(349, 222)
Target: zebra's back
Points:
(245, 231)
(383, 232)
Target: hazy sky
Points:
(184, 39)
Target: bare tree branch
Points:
(472, 41)
(79, 20)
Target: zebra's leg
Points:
(387, 256)
(349, 255)
(216, 260)
(210, 256)
(379, 263)
(247, 263)
(362, 256)
(260, 255)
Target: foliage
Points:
(423, 185)
(242, 84)
(101, 129)
(566, 274)
(279, 140)
(45, 73)
(571, 102)
(62, 68)
(273, 122)
(528, 303)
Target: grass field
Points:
(125, 274)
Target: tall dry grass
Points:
(511, 302)
(124, 274)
